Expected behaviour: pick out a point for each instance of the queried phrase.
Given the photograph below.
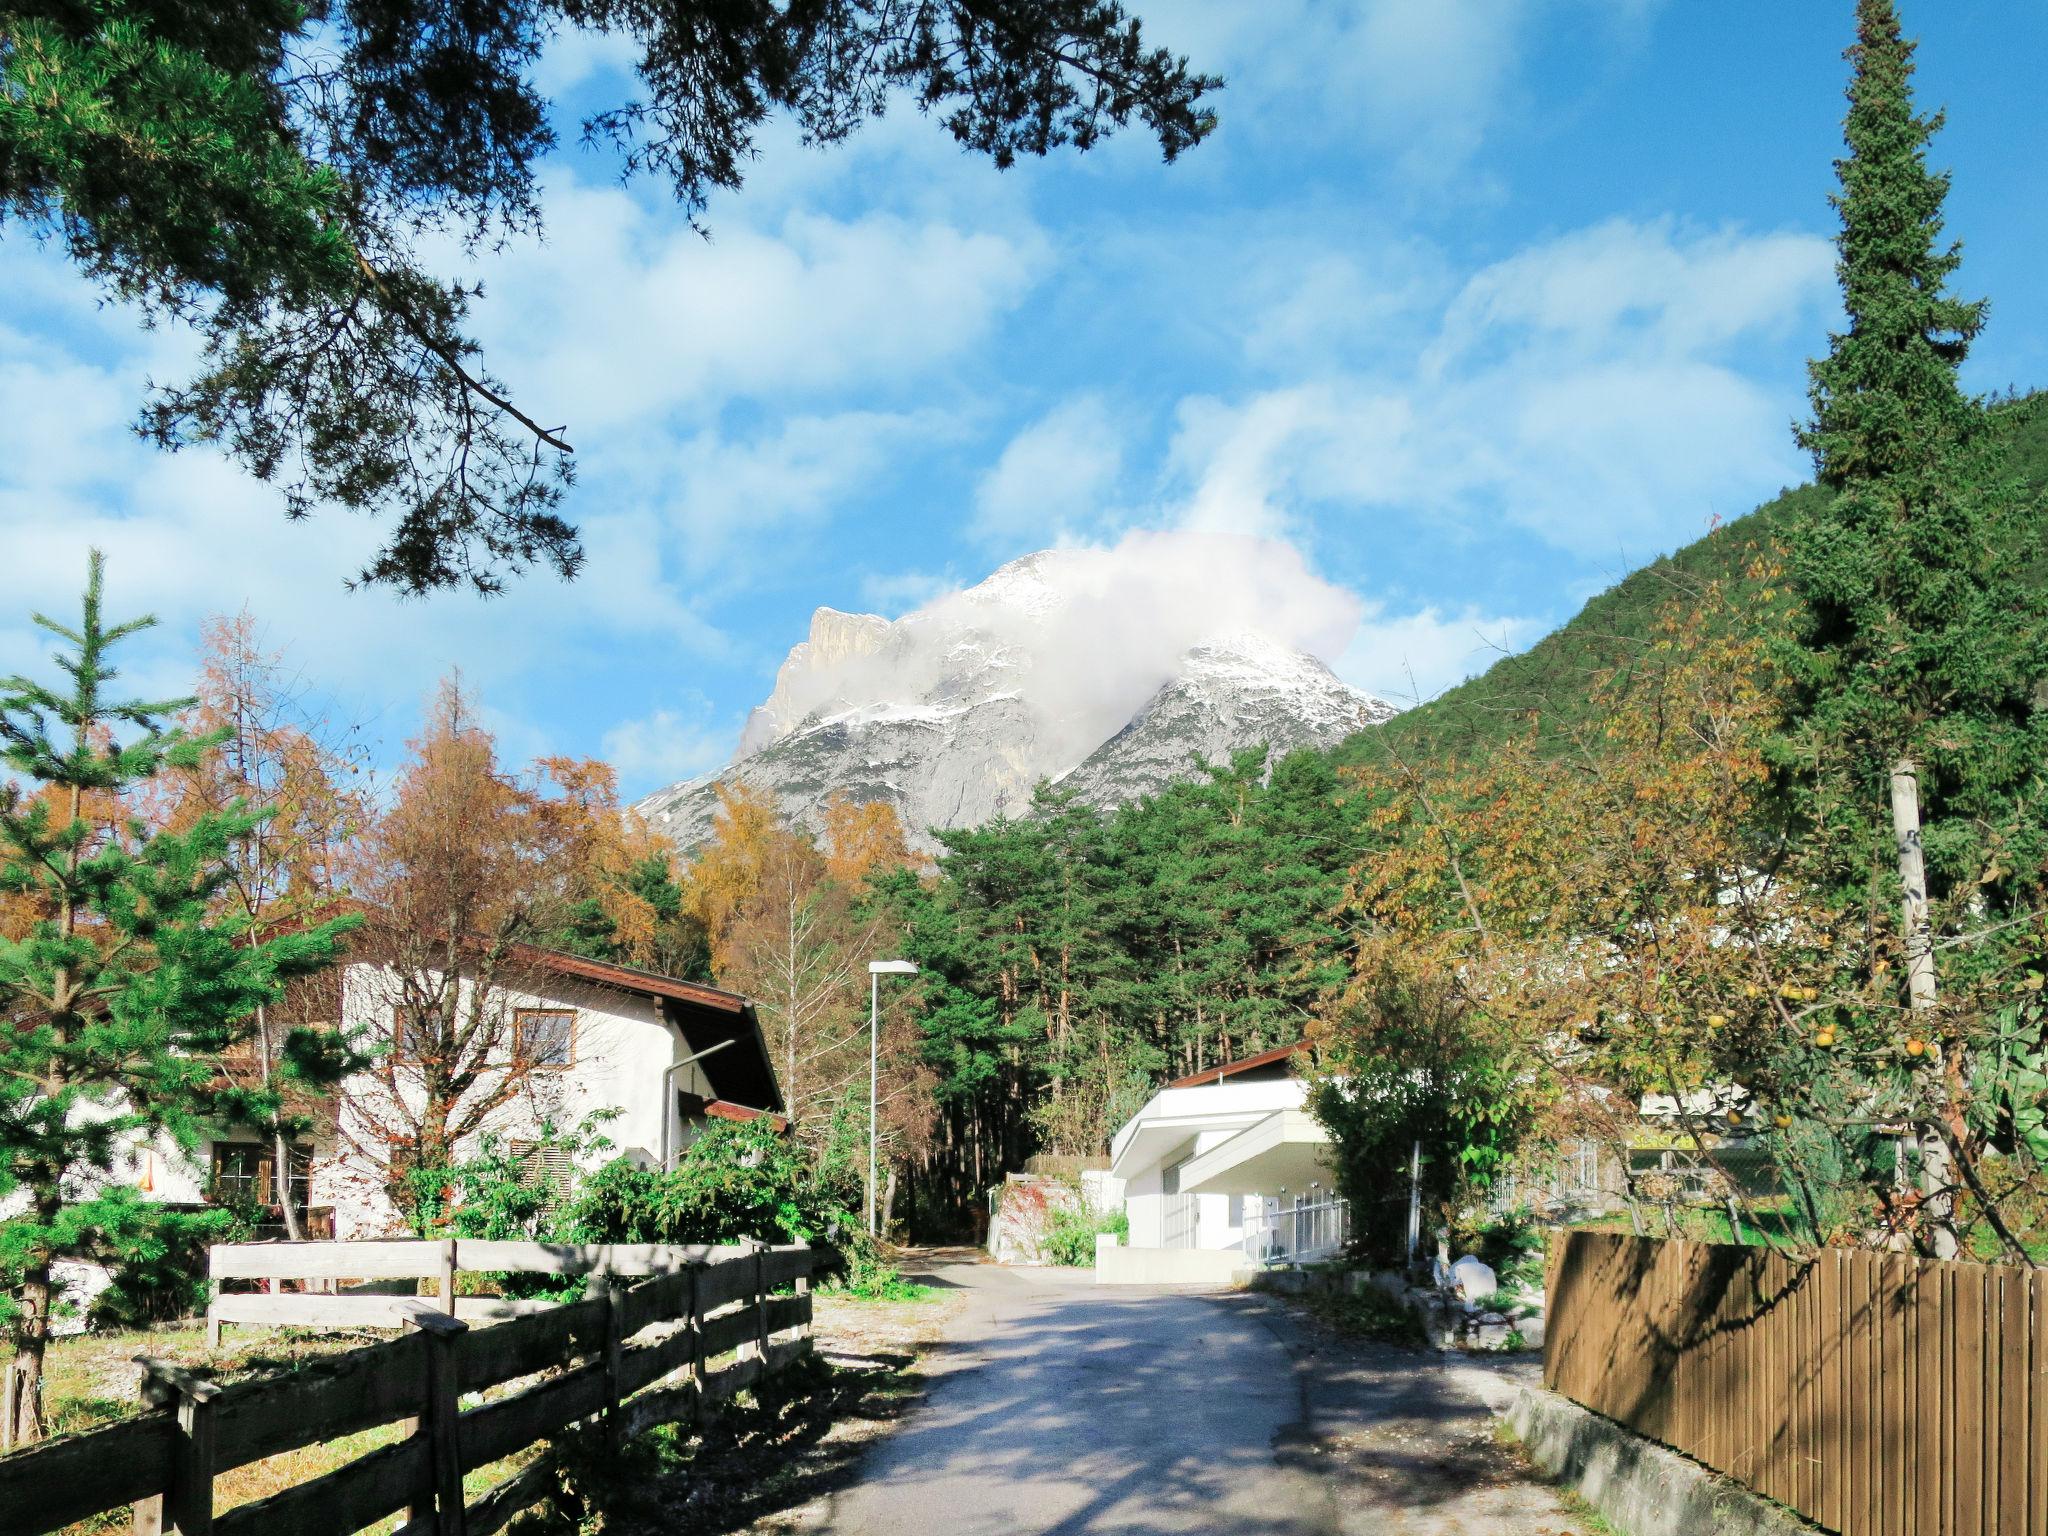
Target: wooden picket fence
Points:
(638, 1355)
(1874, 1393)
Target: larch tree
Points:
(620, 898)
(131, 980)
(1919, 743)
(459, 880)
(274, 756)
(796, 938)
(274, 175)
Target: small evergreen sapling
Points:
(121, 989)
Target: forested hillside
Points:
(1077, 958)
(1550, 683)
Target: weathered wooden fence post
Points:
(803, 1288)
(760, 1311)
(187, 1505)
(448, 1276)
(438, 1422)
(702, 1409)
(602, 1286)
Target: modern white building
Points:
(1223, 1170)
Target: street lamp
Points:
(877, 969)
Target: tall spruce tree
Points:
(122, 990)
(1918, 738)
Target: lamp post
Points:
(877, 969)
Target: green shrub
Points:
(735, 1180)
(1511, 1243)
(159, 1273)
(1069, 1234)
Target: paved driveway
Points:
(1060, 1406)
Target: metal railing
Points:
(1305, 1229)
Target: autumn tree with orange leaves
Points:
(791, 925)
(458, 879)
(1620, 913)
(305, 779)
(620, 898)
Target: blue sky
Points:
(1469, 306)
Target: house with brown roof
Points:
(661, 1056)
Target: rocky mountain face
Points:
(1232, 692)
(955, 712)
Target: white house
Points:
(663, 1055)
(1214, 1169)
(666, 1054)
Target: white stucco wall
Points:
(621, 1049)
(1180, 1123)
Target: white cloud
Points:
(1651, 287)
(895, 592)
(1426, 82)
(1055, 475)
(666, 746)
(1408, 658)
(720, 494)
(644, 318)
(1599, 390)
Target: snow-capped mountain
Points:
(954, 712)
(1233, 692)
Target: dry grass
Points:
(92, 1380)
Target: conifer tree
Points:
(1922, 645)
(126, 987)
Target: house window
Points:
(244, 1173)
(542, 1037)
(412, 1038)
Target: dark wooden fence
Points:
(638, 1355)
(1877, 1394)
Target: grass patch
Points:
(893, 1288)
(1773, 1222)
(91, 1380)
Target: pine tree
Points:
(128, 985)
(1922, 645)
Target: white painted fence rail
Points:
(631, 1356)
(334, 1268)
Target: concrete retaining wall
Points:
(1637, 1484)
(1166, 1266)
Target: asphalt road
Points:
(1061, 1407)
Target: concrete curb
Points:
(1643, 1488)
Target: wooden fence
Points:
(1876, 1394)
(639, 1355)
(355, 1277)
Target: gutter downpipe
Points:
(668, 1098)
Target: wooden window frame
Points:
(519, 1018)
(298, 1179)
